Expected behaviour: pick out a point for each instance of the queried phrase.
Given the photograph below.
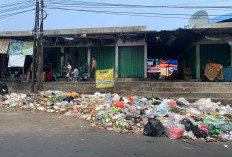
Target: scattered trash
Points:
(154, 117)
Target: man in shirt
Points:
(94, 68)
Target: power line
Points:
(24, 6)
(202, 2)
(15, 4)
(118, 13)
(95, 5)
(109, 12)
(16, 13)
(136, 13)
(72, 2)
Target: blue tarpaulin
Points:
(174, 68)
(171, 62)
(227, 75)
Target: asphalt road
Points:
(40, 134)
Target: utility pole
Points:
(36, 35)
(40, 49)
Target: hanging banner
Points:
(4, 45)
(15, 47)
(105, 78)
(28, 48)
(16, 61)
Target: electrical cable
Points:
(202, 2)
(15, 8)
(115, 13)
(136, 13)
(135, 6)
(16, 13)
(15, 4)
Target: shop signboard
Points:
(28, 48)
(16, 61)
(4, 45)
(15, 47)
(105, 78)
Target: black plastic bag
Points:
(68, 99)
(153, 128)
(3, 88)
(187, 124)
(181, 104)
(199, 133)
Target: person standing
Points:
(69, 71)
(94, 67)
(75, 74)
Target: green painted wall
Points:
(82, 56)
(131, 62)
(105, 57)
(190, 60)
(216, 53)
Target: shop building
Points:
(126, 49)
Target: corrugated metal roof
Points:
(221, 18)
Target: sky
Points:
(65, 19)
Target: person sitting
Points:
(49, 75)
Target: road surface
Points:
(40, 134)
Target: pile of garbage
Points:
(176, 119)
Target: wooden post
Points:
(23, 74)
(116, 60)
(145, 60)
(62, 59)
(89, 60)
(198, 64)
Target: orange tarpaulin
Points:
(166, 66)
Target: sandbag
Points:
(153, 128)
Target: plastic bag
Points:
(194, 111)
(161, 110)
(175, 117)
(225, 110)
(205, 101)
(182, 102)
(189, 135)
(203, 127)
(208, 108)
(176, 130)
(199, 133)
(187, 124)
(3, 88)
(153, 128)
(119, 104)
(216, 122)
(173, 104)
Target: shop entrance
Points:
(162, 62)
(52, 57)
(77, 56)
